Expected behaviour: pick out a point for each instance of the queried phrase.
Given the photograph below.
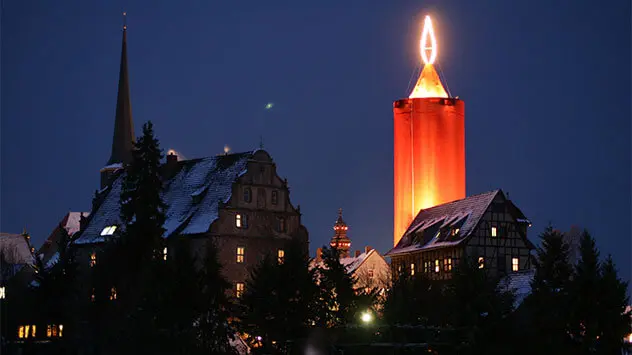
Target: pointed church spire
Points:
(123, 123)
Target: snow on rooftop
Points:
(519, 283)
(192, 196)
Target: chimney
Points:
(357, 253)
(172, 158)
(367, 249)
(83, 221)
(319, 254)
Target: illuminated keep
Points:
(429, 143)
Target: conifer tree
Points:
(585, 288)
(214, 330)
(613, 319)
(549, 302)
(337, 290)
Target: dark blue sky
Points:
(546, 86)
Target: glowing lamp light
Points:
(428, 33)
(366, 317)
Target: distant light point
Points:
(269, 105)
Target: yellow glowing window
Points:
(447, 264)
(113, 294)
(3, 292)
(54, 330)
(33, 330)
(238, 221)
(437, 269)
(241, 252)
(280, 256)
(49, 331)
(26, 330)
(494, 232)
(515, 264)
(109, 230)
(21, 332)
(93, 259)
(239, 289)
(164, 253)
(412, 269)
(61, 330)
(481, 262)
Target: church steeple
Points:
(123, 123)
(340, 239)
(123, 138)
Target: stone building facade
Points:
(487, 227)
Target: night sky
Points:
(546, 86)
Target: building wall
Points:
(374, 272)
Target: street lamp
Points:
(366, 317)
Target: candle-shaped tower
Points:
(429, 151)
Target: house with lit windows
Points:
(487, 227)
(236, 200)
(368, 267)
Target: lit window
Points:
(92, 296)
(93, 259)
(275, 197)
(280, 256)
(26, 330)
(109, 230)
(412, 269)
(455, 231)
(54, 330)
(447, 264)
(113, 294)
(164, 253)
(238, 221)
(426, 267)
(33, 330)
(481, 262)
(515, 264)
(61, 330)
(437, 269)
(239, 289)
(3, 292)
(370, 274)
(21, 332)
(247, 195)
(49, 331)
(494, 232)
(241, 252)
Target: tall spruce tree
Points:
(585, 288)
(127, 285)
(613, 319)
(549, 301)
(214, 329)
(337, 290)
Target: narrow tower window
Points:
(241, 252)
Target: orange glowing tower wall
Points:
(429, 151)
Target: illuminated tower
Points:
(340, 239)
(429, 151)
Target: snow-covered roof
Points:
(518, 282)
(351, 263)
(433, 227)
(15, 249)
(192, 195)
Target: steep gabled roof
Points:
(431, 228)
(193, 195)
(15, 249)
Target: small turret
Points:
(340, 240)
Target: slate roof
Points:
(431, 228)
(351, 263)
(518, 282)
(193, 195)
(15, 249)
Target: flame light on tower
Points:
(429, 150)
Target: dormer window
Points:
(247, 195)
(454, 232)
(275, 197)
(109, 230)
